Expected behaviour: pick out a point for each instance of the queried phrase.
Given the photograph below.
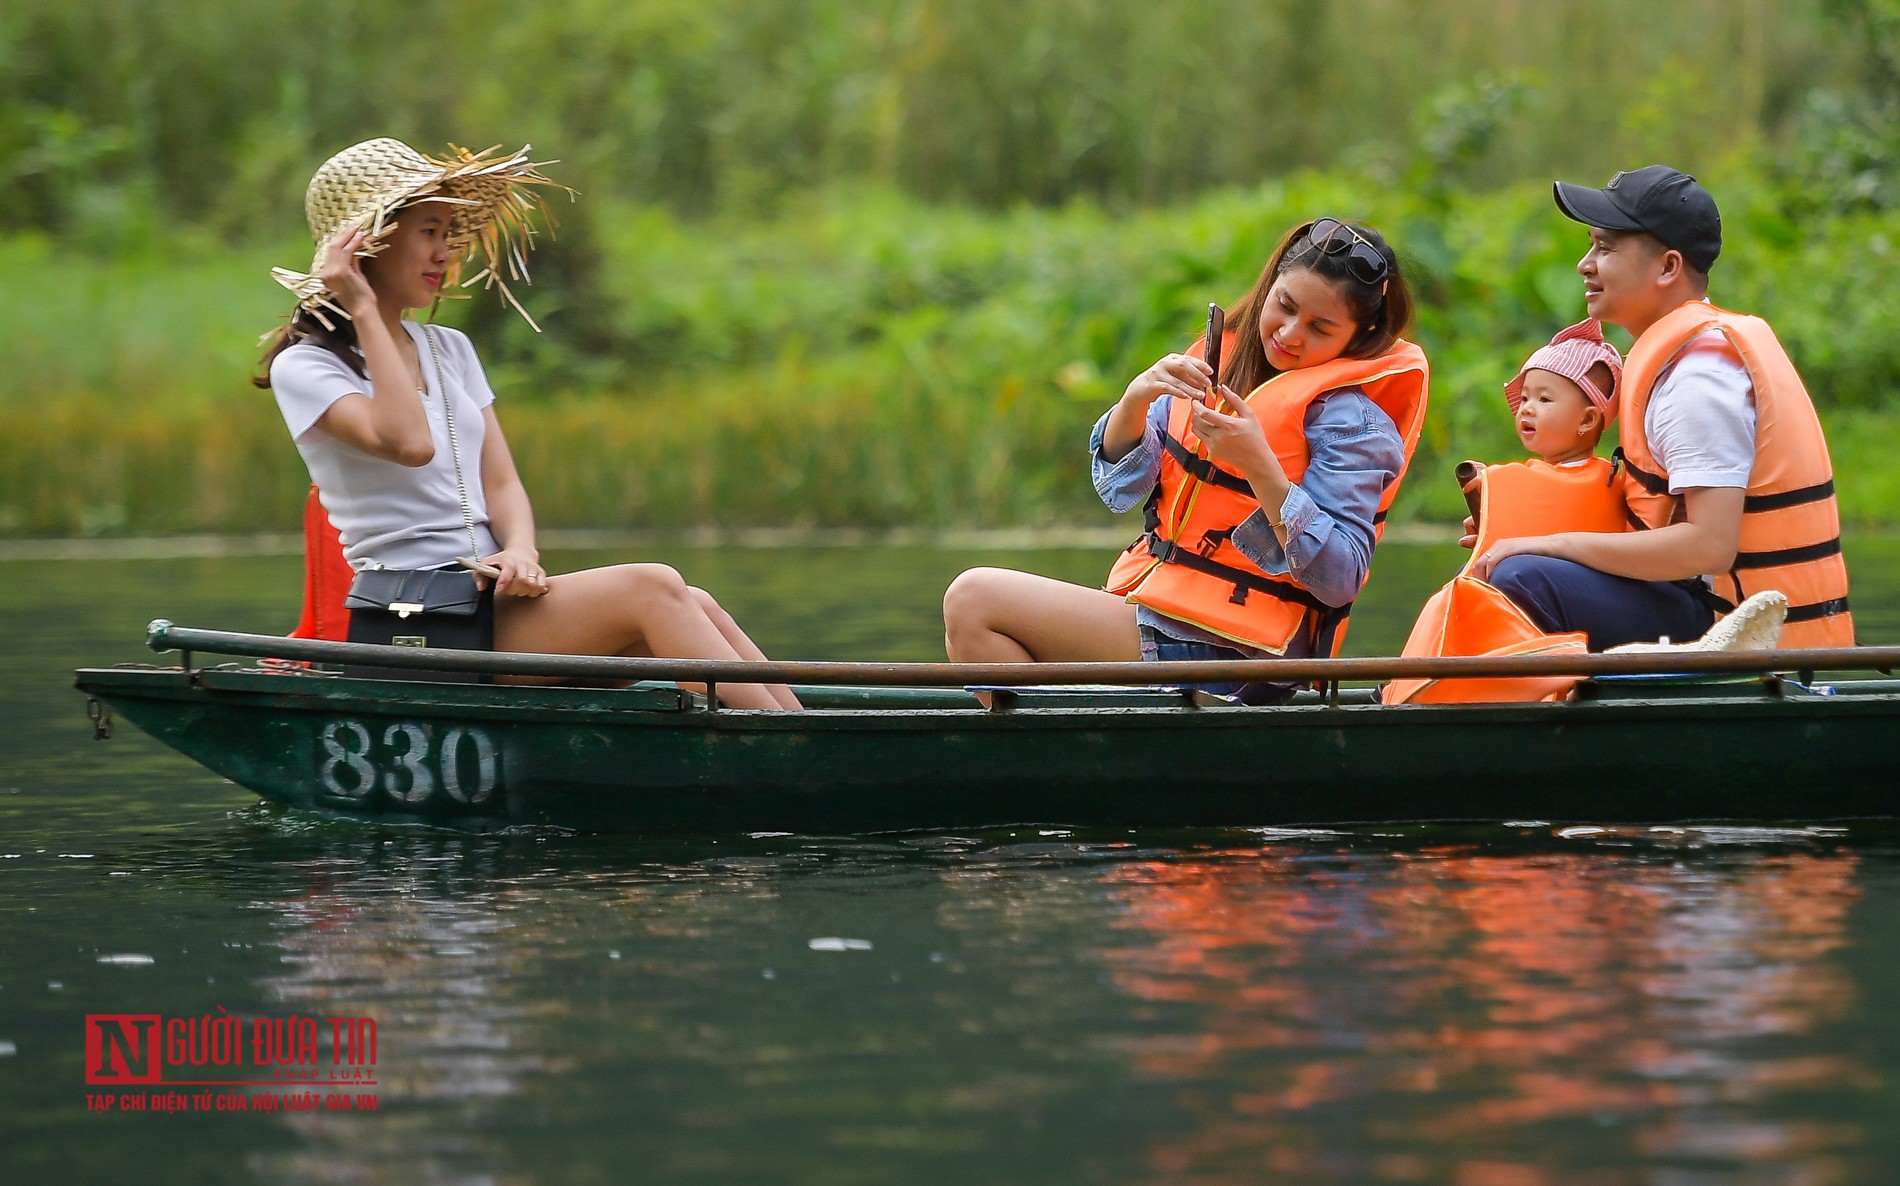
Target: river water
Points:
(1500, 1006)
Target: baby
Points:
(1564, 395)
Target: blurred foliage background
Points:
(882, 262)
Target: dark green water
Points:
(1504, 1006)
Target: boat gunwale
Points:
(163, 636)
(529, 705)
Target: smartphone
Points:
(479, 568)
(1216, 329)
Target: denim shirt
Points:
(1356, 453)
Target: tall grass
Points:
(217, 113)
(866, 359)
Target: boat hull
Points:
(654, 761)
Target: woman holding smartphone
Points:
(1262, 510)
(396, 421)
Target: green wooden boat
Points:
(888, 747)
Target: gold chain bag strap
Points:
(455, 449)
(440, 607)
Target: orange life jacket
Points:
(1791, 523)
(1185, 565)
(1470, 617)
(326, 577)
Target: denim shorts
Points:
(1160, 648)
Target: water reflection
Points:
(1187, 1007)
(421, 938)
(1622, 1008)
(1496, 1020)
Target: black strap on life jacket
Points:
(1205, 470)
(1796, 613)
(1654, 483)
(1780, 556)
(1244, 582)
(1200, 467)
(1699, 589)
(1817, 609)
(1755, 504)
(1326, 628)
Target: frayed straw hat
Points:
(490, 193)
(1754, 625)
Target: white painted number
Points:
(412, 759)
(452, 765)
(465, 766)
(363, 775)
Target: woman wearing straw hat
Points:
(396, 421)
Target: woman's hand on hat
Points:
(1233, 436)
(521, 574)
(342, 272)
(1177, 374)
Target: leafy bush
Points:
(863, 358)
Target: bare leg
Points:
(996, 615)
(628, 609)
(738, 640)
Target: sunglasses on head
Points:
(1364, 262)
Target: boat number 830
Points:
(407, 762)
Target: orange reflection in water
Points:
(1520, 1020)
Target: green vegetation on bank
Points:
(864, 359)
(216, 114)
(882, 262)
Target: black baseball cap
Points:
(1667, 203)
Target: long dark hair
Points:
(1382, 311)
(339, 338)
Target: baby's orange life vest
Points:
(1470, 617)
(1185, 565)
(1791, 523)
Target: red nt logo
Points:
(122, 1048)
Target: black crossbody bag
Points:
(430, 607)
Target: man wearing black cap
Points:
(1728, 510)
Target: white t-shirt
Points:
(394, 515)
(1700, 422)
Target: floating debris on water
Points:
(833, 943)
(7, 1048)
(1526, 823)
(1702, 835)
(1293, 833)
(127, 960)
